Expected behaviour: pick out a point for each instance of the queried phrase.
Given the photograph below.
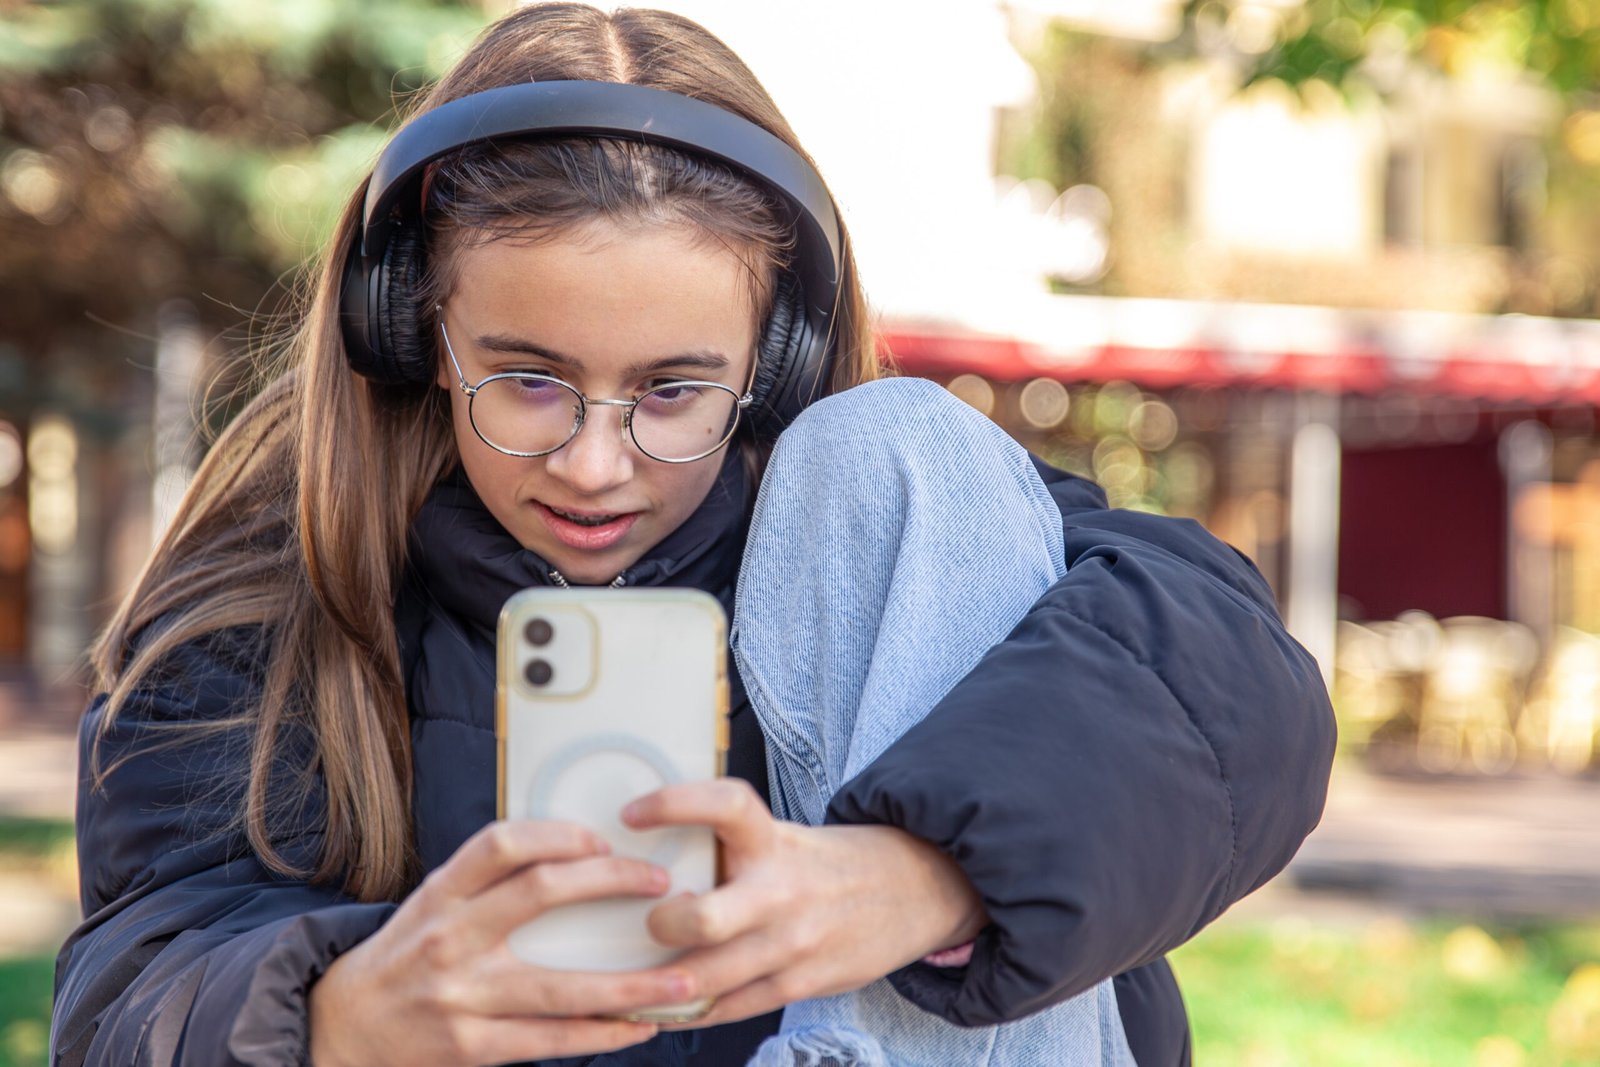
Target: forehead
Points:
(606, 299)
(607, 280)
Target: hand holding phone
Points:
(604, 696)
(423, 990)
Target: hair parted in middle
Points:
(289, 547)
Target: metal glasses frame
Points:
(628, 406)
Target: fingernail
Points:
(681, 985)
(632, 812)
(659, 880)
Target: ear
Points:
(444, 369)
(444, 375)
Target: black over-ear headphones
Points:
(389, 338)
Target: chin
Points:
(590, 571)
(578, 576)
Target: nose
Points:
(600, 458)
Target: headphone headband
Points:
(606, 109)
(389, 242)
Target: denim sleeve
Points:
(1145, 748)
(190, 951)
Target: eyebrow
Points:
(701, 359)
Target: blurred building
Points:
(1352, 337)
(1325, 330)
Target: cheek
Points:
(467, 442)
(693, 482)
(494, 482)
(493, 474)
(687, 486)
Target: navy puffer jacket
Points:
(1148, 737)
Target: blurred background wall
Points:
(1317, 274)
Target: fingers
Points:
(706, 919)
(776, 983)
(728, 805)
(714, 972)
(535, 889)
(757, 998)
(487, 1041)
(502, 847)
(515, 989)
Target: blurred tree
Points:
(1390, 47)
(198, 149)
(1343, 41)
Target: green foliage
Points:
(1056, 143)
(23, 838)
(281, 201)
(1342, 41)
(42, 38)
(195, 149)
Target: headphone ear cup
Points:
(403, 330)
(774, 406)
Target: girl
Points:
(1023, 743)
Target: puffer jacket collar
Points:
(470, 565)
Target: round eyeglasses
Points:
(525, 414)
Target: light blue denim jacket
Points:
(898, 536)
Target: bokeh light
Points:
(1044, 403)
(975, 390)
(35, 185)
(10, 454)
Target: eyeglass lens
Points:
(674, 422)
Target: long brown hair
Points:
(295, 526)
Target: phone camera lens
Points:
(538, 671)
(539, 632)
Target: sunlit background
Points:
(1319, 275)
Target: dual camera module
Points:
(538, 633)
(554, 650)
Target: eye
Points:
(525, 388)
(535, 386)
(671, 397)
(669, 391)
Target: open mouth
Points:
(587, 520)
(590, 531)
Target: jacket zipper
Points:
(558, 579)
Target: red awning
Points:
(1170, 343)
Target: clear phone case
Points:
(604, 695)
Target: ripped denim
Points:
(898, 536)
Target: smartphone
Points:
(604, 695)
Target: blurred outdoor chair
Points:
(1380, 670)
(1562, 715)
(1439, 696)
(1474, 695)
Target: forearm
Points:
(942, 907)
(1146, 748)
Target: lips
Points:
(583, 519)
(586, 530)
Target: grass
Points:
(1290, 993)
(39, 847)
(25, 1011)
